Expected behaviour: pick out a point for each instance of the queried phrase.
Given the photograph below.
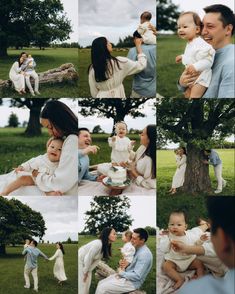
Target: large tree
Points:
(24, 22)
(167, 15)
(116, 109)
(17, 222)
(108, 212)
(196, 123)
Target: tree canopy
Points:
(167, 15)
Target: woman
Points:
(106, 72)
(143, 171)
(178, 179)
(58, 269)
(60, 121)
(90, 254)
(16, 74)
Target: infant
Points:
(144, 31)
(46, 163)
(128, 250)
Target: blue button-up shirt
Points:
(214, 158)
(32, 255)
(83, 168)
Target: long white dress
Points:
(89, 256)
(58, 270)
(178, 179)
(16, 77)
(113, 87)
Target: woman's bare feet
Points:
(178, 284)
(173, 191)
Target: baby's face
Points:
(187, 29)
(27, 241)
(121, 130)
(177, 225)
(54, 150)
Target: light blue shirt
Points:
(83, 168)
(141, 265)
(210, 285)
(144, 82)
(214, 158)
(32, 255)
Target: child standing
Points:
(198, 55)
(144, 29)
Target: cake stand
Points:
(114, 189)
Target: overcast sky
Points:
(71, 9)
(59, 213)
(107, 124)
(142, 210)
(112, 19)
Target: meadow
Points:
(12, 267)
(150, 283)
(45, 60)
(84, 61)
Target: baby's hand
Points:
(19, 169)
(113, 138)
(204, 237)
(133, 142)
(191, 69)
(178, 59)
(91, 149)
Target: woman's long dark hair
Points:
(20, 63)
(106, 246)
(61, 247)
(151, 149)
(101, 60)
(61, 117)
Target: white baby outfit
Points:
(146, 33)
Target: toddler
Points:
(176, 262)
(198, 55)
(128, 250)
(144, 30)
(46, 163)
(28, 67)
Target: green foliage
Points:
(97, 129)
(108, 212)
(167, 15)
(126, 42)
(13, 120)
(151, 230)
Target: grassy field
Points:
(166, 168)
(84, 61)
(12, 267)
(150, 282)
(45, 59)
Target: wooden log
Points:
(63, 74)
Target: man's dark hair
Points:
(143, 234)
(227, 16)
(82, 129)
(221, 211)
(35, 243)
(207, 150)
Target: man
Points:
(218, 28)
(144, 82)
(84, 148)
(135, 273)
(31, 265)
(215, 161)
(221, 212)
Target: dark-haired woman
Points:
(143, 171)
(106, 72)
(16, 75)
(58, 270)
(61, 122)
(178, 178)
(89, 256)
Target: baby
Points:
(128, 250)
(144, 29)
(176, 262)
(46, 163)
(198, 55)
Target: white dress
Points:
(89, 256)
(146, 33)
(65, 177)
(121, 148)
(201, 55)
(113, 87)
(128, 252)
(178, 179)
(16, 77)
(58, 270)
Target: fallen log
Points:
(65, 73)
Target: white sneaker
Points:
(36, 290)
(32, 93)
(37, 92)
(26, 287)
(217, 191)
(224, 183)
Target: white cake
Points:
(117, 175)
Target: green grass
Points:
(83, 64)
(150, 283)
(45, 59)
(166, 168)
(12, 267)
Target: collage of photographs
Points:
(117, 147)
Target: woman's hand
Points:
(187, 80)
(133, 172)
(123, 264)
(179, 246)
(100, 178)
(19, 169)
(35, 173)
(85, 276)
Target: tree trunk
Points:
(63, 74)
(2, 249)
(34, 127)
(197, 177)
(3, 46)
